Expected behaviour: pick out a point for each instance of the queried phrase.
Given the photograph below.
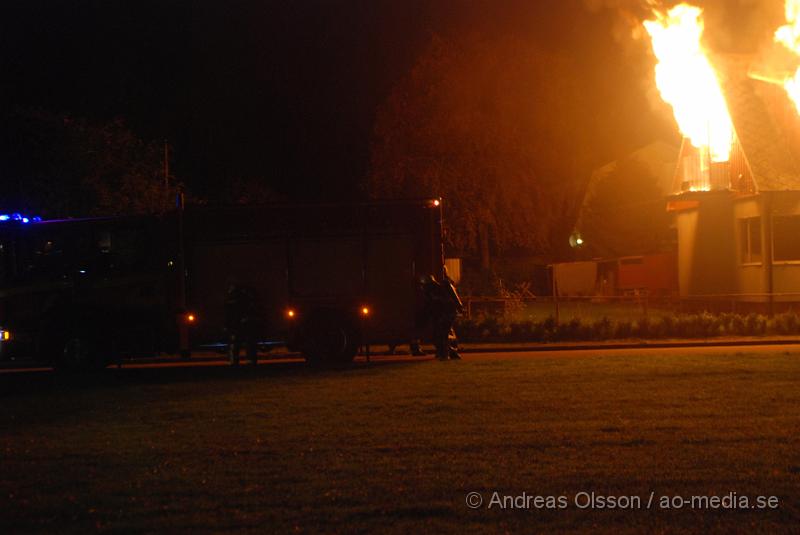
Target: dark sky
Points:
(285, 90)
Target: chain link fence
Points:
(632, 307)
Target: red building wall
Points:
(656, 273)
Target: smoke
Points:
(731, 26)
(631, 5)
(742, 27)
(628, 16)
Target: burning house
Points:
(735, 199)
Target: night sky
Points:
(287, 91)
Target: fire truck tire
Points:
(329, 340)
(79, 353)
(351, 348)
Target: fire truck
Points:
(329, 278)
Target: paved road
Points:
(287, 359)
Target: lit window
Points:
(750, 240)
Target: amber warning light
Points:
(365, 311)
(190, 318)
(290, 313)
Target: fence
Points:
(625, 307)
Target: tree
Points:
(625, 214)
(495, 128)
(64, 166)
(249, 190)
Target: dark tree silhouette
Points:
(626, 213)
(59, 165)
(493, 127)
(248, 190)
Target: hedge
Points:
(704, 325)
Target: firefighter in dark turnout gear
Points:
(443, 305)
(452, 338)
(241, 311)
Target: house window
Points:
(786, 237)
(750, 236)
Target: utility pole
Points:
(166, 165)
(555, 294)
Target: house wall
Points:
(707, 254)
(786, 275)
(686, 225)
(709, 248)
(751, 277)
(576, 278)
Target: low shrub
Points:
(755, 324)
(702, 325)
(786, 323)
(602, 329)
(624, 329)
(521, 331)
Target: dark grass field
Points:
(395, 448)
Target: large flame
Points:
(789, 36)
(688, 82)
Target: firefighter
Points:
(240, 321)
(452, 338)
(443, 306)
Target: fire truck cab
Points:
(82, 292)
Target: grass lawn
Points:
(394, 448)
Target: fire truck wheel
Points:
(79, 353)
(330, 341)
(350, 348)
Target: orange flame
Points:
(789, 36)
(688, 82)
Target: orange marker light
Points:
(365, 311)
(190, 318)
(290, 313)
(436, 202)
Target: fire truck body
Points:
(328, 278)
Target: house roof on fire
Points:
(766, 122)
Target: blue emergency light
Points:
(17, 217)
